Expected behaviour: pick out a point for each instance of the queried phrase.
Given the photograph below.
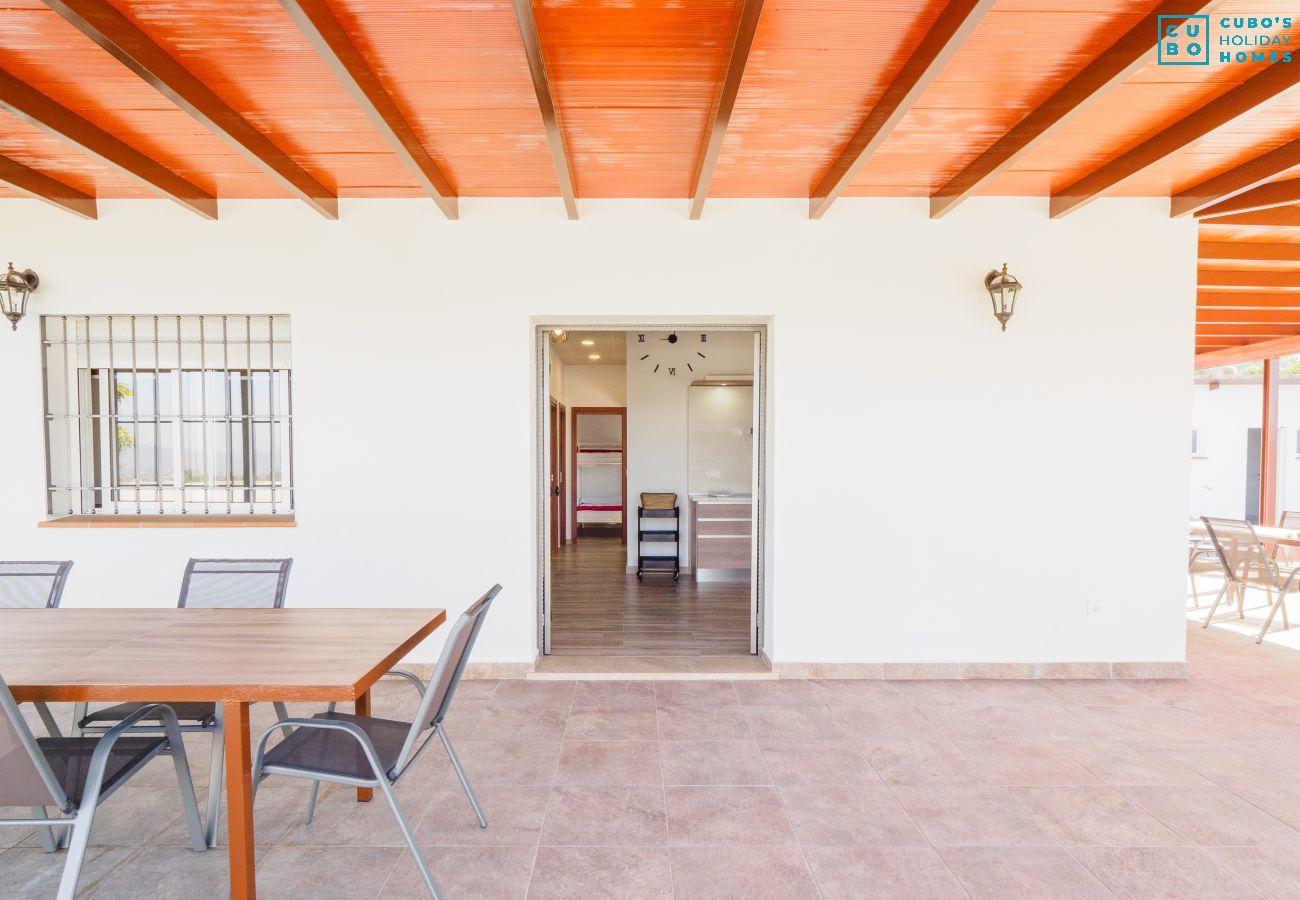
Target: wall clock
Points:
(679, 356)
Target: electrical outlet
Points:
(1092, 607)
(713, 473)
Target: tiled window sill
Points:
(200, 521)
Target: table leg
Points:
(239, 800)
(362, 707)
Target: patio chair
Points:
(1246, 564)
(34, 585)
(1202, 559)
(76, 774)
(207, 584)
(369, 752)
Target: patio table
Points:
(1288, 536)
(233, 657)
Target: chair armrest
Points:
(104, 746)
(409, 676)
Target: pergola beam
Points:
(43, 187)
(1117, 63)
(1277, 217)
(949, 31)
(1289, 316)
(546, 103)
(1213, 116)
(1259, 278)
(1266, 196)
(1246, 300)
(746, 25)
(331, 41)
(1208, 251)
(38, 110)
(1248, 352)
(100, 21)
(1226, 185)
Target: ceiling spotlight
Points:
(588, 343)
(594, 356)
(559, 335)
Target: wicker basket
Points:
(658, 501)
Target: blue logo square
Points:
(1183, 41)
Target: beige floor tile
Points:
(726, 815)
(920, 762)
(613, 695)
(695, 693)
(165, 873)
(610, 763)
(1096, 816)
(703, 723)
(464, 873)
(619, 723)
(956, 816)
(618, 873)
(504, 762)
(1144, 873)
(30, 872)
(1272, 871)
(514, 816)
(1022, 873)
(794, 723)
(1041, 763)
(850, 873)
(713, 763)
(849, 816)
(605, 816)
(325, 873)
(742, 873)
(1211, 816)
(817, 762)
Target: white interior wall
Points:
(934, 482)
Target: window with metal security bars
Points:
(168, 415)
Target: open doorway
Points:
(660, 539)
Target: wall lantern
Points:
(15, 288)
(1003, 288)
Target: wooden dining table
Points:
(232, 657)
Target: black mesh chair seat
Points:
(334, 752)
(69, 759)
(203, 714)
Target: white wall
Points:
(970, 471)
(1223, 417)
(657, 413)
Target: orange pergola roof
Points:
(637, 89)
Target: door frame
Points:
(757, 325)
(574, 412)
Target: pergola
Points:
(322, 99)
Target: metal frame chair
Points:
(13, 575)
(1246, 564)
(1202, 559)
(75, 775)
(364, 751)
(205, 717)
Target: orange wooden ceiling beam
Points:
(1212, 192)
(560, 155)
(1266, 196)
(945, 36)
(331, 41)
(1258, 331)
(1234, 250)
(1218, 113)
(43, 187)
(35, 108)
(1246, 300)
(1288, 316)
(1117, 63)
(1212, 278)
(1248, 352)
(1276, 217)
(746, 25)
(106, 26)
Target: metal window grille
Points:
(166, 415)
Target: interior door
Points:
(562, 466)
(555, 480)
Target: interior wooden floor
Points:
(599, 609)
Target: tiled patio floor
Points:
(784, 789)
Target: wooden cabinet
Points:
(721, 537)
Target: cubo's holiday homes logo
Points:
(1184, 41)
(1191, 40)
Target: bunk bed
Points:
(599, 485)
